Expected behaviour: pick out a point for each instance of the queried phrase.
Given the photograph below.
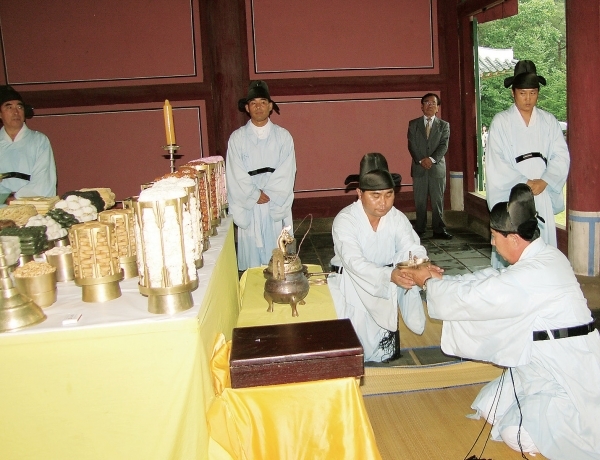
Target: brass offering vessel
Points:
(413, 262)
(16, 310)
(286, 277)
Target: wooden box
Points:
(288, 353)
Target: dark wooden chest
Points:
(288, 353)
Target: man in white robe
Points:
(370, 237)
(526, 145)
(531, 318)
(260, 173)
(26, 157)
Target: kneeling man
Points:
(532, 319)
(370, 236)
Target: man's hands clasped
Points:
(263, 198)
(410, 276)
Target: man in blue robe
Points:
(27, 165)
(261, 169)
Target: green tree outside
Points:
(537, 33)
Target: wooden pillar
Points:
(229, 62)
(583, 113)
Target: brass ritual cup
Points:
(59, 242)
(41, 288)
(63, 264)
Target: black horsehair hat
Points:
(525, 76)
(517, 215)
(374, 174)
(7, 93)
(257, 89)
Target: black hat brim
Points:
(373, 180)
(525, 81)
(243, 101)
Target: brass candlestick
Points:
(172, 156)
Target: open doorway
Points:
(537, 33)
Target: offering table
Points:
(122, 383)
(323, 419)
(318, 306)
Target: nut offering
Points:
(96, 261)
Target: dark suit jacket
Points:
(435, 147)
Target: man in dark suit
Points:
(428, 138)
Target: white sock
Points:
(509, 436)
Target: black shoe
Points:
(443, 235)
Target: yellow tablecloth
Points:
(318, 306)
(325, 419)
(124, 384)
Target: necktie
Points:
(428, 128)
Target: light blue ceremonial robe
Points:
(363, 292)
(491, 315)
(509, 137)
(30, 153)
(259, 225)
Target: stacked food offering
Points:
(204, 199)
(158, 237)
(220, 183)
(213, 205)
(166, 248)
(189, 182)
(123, 221)
(213, 170)
(96, 260)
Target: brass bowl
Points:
(416, 262)
(41, 288)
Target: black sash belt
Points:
(18, 175)
(527, 156)
(564, 332)
(337, 269)
(260, 171)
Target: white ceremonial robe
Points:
(363, 292)
(30, 153)
(509, 137)
(490, 316)
(259, 225)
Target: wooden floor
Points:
(432, 424)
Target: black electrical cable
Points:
(495, 401)
(520, 416)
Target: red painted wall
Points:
(118, 148)
(348, 75)
(76, 41)
(332, 133)
(341, 37)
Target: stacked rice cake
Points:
(42, 204)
